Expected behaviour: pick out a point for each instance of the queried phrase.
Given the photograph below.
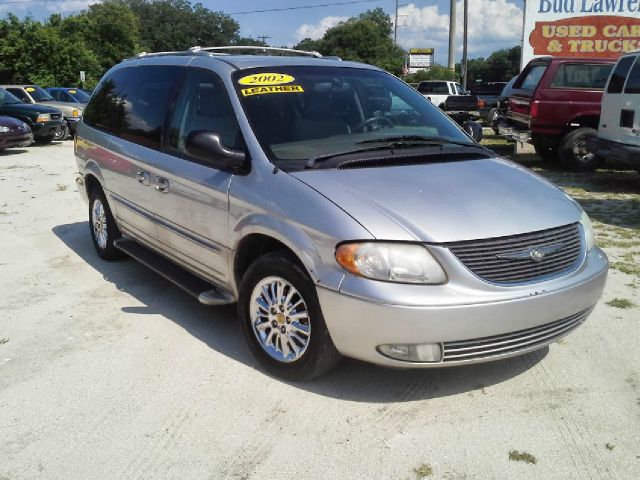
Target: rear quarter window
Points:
(434, 87)
(633, 82)
(619, 75)
(532, 77)
(133, 103)
(581, 76)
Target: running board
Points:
(205, 292)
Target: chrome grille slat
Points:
(497, 345)
(482, 257)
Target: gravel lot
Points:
(108, 371)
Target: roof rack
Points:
(255, 48)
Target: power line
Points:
(302, 7)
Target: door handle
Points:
(162, 184)
(143, 177)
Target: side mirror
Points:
(474, 129)
(207, 147)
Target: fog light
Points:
(422, 352)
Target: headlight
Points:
(4, 129)
(76, 113)
(391, 262)
(589, 238)
(43, 117)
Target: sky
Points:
(493, 24)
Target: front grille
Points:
(56, 116)
(487, 347)
(507, 260)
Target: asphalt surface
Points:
(109, 371)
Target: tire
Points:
(548, 153)
(266, 328)
(61, 134)
(44, 140)
(102, 226)
(573, 153)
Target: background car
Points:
(489, 93)
(37, 95)
(619, 130)
(45, 122)
(14, 133)
(69, 95)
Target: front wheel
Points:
(282, 320)
(62, 133)
(573, 150)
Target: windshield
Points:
(300, 113)
(7, 98)
(80, 95)
(38, 93)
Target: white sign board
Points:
(420, 59)
(580, 28)
(82, 76)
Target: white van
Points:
(619, 129)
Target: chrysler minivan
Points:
(343, 212)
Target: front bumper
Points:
(47, 129)
(16, 139)
(454, 314)
(610, 150)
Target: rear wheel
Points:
(573, 150)
(282, 320)
(104, 230)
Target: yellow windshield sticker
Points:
(247, 92)
(30, 89)
(73, 91)
(266, 79)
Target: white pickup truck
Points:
(437, 91)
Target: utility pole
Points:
(452, 35)
(395, 26)
(263, 38)
(464, 44)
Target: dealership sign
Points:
(420, 59)
(580, 28)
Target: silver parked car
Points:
(342, 211)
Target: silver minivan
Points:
(343, 212)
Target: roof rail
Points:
(255, 48)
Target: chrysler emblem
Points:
(536, 255)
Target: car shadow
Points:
(12, 151)
(219, 329)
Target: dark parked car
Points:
(488, 93)
(500, 115)
(14, 133)
(45, 122)
(555, 106)
(69, 95)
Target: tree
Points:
(365, 38)
(436, 72)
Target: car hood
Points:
(10, 122)
(445, 202)
(27, 108)
(64, 107)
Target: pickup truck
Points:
(555, 106)
(489, 93)
(437, 91)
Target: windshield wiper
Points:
(401, 140)
(405, 141)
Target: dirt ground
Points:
(109, 371)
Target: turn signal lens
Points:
(587, 227)
(391, 262)
(75, 113)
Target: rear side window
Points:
(581, 75)
(21, 94)
(133, 103)
(532, 78)
(619, 75)
(433, 87)
(633, 82)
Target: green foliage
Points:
(500, 66)
(365, 38)
(436, 72)
(53, 52)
